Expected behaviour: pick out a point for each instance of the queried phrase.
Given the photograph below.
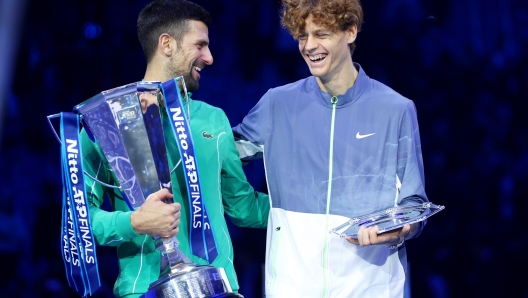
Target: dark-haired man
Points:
(336, 145)
(174, 37)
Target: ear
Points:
(166, 44)
(352, 34)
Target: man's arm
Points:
(255, 126)
(410, 169)
(412, 191)
(245, 206)
(247, 150)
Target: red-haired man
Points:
(336, 145)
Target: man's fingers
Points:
(174, 232)
(352, 240)
(360, 235)
(370, 236)
(164, 194)
(171, 229)
(172, 209)
(157, 196)
(152, 197)
(160, 195)
(365, 236)
(177, 207)
(175, 224)
(394, 236)
(405, 230)
(373, 234)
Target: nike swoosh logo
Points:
(358, 136)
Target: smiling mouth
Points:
(317, 58)
(196, 72)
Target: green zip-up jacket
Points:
(224, 186)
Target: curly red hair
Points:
(332, 14)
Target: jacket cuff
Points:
(124, 227)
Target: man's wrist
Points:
(133, 222)
(414, 230)
(124, 226)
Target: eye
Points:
(302, 37)
(201, 45)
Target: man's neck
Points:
(339, 82)
(155, 72)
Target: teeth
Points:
(317, 57)
(197, 68)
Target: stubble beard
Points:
(186, 72)
(191, 83)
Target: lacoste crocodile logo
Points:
(358, 136)
(207, 135)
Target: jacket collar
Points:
(350, 96)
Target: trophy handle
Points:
(101, 182)
(182, 80)
(53, 128)
(177, 164)
(59, 140)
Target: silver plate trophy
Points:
(388, 219)
(126, 121)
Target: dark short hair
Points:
(333, 14)
(167, 16)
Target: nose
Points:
(207, 57)
(311, 43)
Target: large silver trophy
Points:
(126, 121)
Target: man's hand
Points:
(155, 217)
(370, 236)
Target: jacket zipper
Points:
(275, 238)
(334, 100)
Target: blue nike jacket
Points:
(374, 163)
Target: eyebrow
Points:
(202, 42)
(318, 31)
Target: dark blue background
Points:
(463, 62)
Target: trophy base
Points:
(201, 281)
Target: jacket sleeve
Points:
(253, 129)
(109, 228)
(245, 206)
(410, 171)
